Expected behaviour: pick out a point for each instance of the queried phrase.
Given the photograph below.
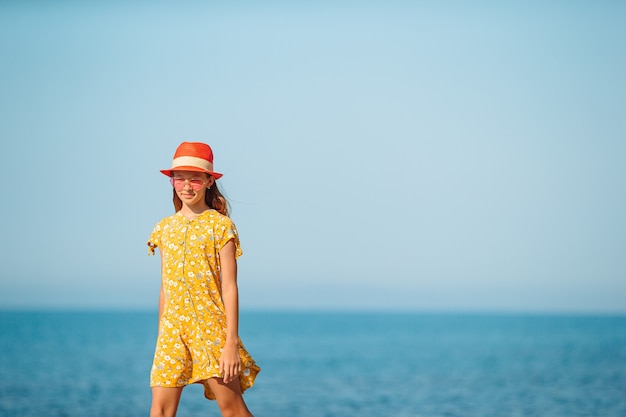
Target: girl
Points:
(198, 339)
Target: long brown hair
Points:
(213, 198)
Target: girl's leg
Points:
(165, 401)
(229, 398)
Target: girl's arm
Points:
(161, 302)
(230, 362)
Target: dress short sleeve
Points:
(229, 232)
(155, 239)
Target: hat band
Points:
(192, 161)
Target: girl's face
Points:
(191, 186)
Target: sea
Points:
(328, 364)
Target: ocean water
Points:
(329, 364)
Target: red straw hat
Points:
(193, 156)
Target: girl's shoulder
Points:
(210, 216)
(176, 217)
(216, 217)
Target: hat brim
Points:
(168, 172)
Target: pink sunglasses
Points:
(179, 183)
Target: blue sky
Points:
(446, 156)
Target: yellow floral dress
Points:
(192, 329)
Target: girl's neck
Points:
(191, 212)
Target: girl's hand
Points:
(230, 362)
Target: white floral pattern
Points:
(192, 329)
